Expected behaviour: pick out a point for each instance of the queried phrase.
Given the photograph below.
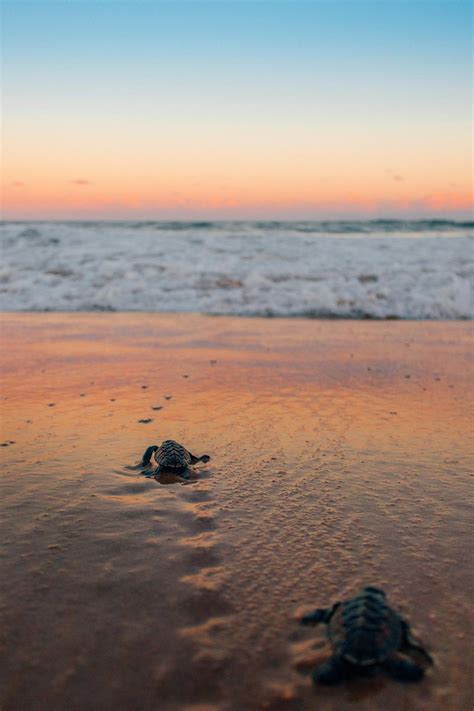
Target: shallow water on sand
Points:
(340, 457)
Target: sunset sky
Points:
(116, 109)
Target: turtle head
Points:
(374, 591)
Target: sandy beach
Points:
(340, 457)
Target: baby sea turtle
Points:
(171, 457)
(365, 632)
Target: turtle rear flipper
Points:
(403, 670)
(331, 672)
(147, 455)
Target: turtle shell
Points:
(172, 456)
(364, 630)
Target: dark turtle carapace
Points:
(364, 632)
(171, 457)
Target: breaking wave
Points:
(375, 269)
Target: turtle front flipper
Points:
(147, 455)
(331, 672)
(203, 458)
(403, 670)
(409, 643)
(319, 615)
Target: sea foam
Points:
(377, 269)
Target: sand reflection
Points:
(341, 455)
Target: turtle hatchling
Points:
(364, 632)
(171, 457)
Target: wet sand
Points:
(340, 457)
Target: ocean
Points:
(381, 269)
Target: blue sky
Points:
(273, 88)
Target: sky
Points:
(297, 109)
